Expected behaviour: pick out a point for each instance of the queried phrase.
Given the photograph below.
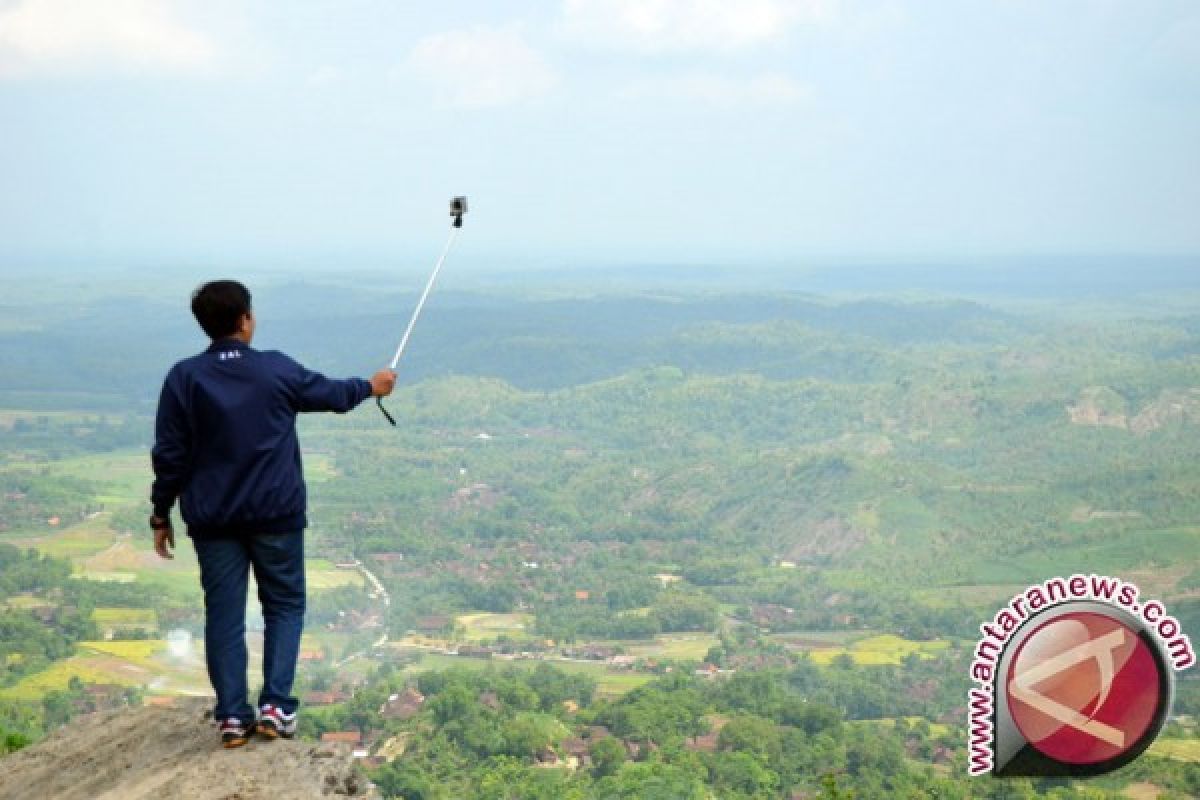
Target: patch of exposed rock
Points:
(1100, 406)
(156, 753)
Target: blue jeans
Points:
(278, 561)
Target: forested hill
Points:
(884, 437)
(115, 347)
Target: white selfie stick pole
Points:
(458, 207)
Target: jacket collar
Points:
(227, 343)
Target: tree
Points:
(747, 733)
(530, 732)
(608, 754)
(831, 791)
(57, 708)
(454, 703)
(743, 774)
(652, 780)
(507, 778)
(810, 716)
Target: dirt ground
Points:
(160, 753)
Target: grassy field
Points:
(990, 595)
(125, 616)
(1110, 555)
(1178, 749)
(25, 602)
(678, 646)
(99, 553)
(123, 476)
(608, 683)
(818, 638)
(124, 619)
(883, 649)
(322, 574)
(936, 729)
(127, 553)
(487, 625)
(74, 542)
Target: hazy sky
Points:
(201, 131)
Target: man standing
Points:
(225, 444)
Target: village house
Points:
(594, 652)
(634, 750)
(772, 615)
(475, 651)
(707, 743)
(547, 757)
(403, 705)
(326, 698)
(434, 623)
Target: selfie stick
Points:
(458, 207)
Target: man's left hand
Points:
(164, 540)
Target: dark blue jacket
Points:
(225, 438)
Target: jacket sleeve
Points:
(172, 453)
(312, 391)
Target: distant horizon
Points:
(1032, 276)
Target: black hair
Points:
(219, 306)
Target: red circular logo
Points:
(1084, 688)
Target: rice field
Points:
(140, 652)
(88, 667)
(320, 574)
(882, 649)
